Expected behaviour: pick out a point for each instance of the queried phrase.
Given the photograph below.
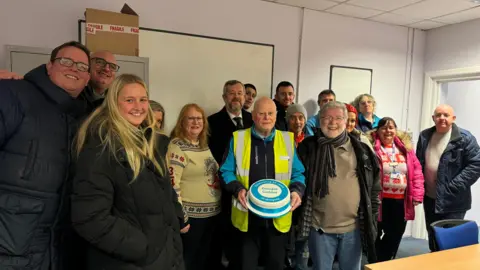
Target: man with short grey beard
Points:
(222, 125)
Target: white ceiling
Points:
(421, 14)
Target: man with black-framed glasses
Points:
(103, 68)
(39, 116)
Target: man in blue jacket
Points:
(271, 155)
(39, 116)
(450, 158)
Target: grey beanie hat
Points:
(296, 108)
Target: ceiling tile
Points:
(353, 11)
(385, 5)
(461, 16)
(425, 25)
(310, 4)
(434, 8)
(394, 19)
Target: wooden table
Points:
(464, 258)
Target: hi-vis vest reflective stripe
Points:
(284, 147)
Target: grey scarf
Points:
(323, 165)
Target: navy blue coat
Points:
(458, 170)
(38, 121)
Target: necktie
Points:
(238, 121)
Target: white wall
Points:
(453, 46)
(333, 40)
(464, 97)
(327, 40)
(48, 23)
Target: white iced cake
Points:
(269, 198)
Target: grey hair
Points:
(334, 105)
(231, 83)
(356, 102)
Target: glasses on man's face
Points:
(102, 63)
(330, 118)
(67, 62)
(197, 119)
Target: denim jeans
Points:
(324, 247)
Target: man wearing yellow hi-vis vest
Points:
(261, 152)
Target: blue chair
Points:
(453, 233)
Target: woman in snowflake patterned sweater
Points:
(193, 172)
(402, 185)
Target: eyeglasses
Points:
(67, 62)
(330, 118)
(103, 63)
(198, 119)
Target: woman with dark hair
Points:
(250, 95)
(402, 185)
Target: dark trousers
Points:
(265, 241)
(392, 227)
(431, 216)
(201, 247)
(228, 234)
(228, 238)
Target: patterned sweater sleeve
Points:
(177, 161)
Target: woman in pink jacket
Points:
(402, 185)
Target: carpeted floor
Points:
(411, 247)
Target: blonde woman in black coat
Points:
(123, 204)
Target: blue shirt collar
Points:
(269, 138)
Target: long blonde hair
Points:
(116, 133)
(179, 130)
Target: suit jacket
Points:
(221, 129)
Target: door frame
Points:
(432, 89)
(430, 100)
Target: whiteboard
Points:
(187, 68)
(22, 59)
(350, 82)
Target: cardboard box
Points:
(112, 31)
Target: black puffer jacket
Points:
(37, 123)
(282, 122)
(129, 226)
